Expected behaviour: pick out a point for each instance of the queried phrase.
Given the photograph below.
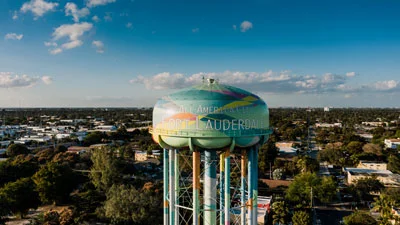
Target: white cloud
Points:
(93, 3)
(195, 30)
(162, 81)
(9, 80)
(47, 80)
(72, 10)
(99, 46)
(38, 7)
(268, 82)
(71, 31)
(386, 85)
(50, 44)
(245, 26)
(96, 19)
(15, 15)
(350, 74)
(72, 44)
(13, 36)
(55, 51)
(234, 27)
(129, 25)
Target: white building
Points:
(106, 128)
(374, 124)
(328, 125)
(392, 143)
(62, 136)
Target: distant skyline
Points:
(129, 53)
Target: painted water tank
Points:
(211, 116)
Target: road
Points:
(330, 216)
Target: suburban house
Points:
(392, 143)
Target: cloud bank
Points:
(283, 82)
(11, 80)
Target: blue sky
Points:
(125, 53)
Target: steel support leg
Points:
(196, 187)
(255, 187)
(250, 187)
(210, 188)
(243, 169)
(172, 186)
(227, 186)
(176, 167)
(166, 186)
(221, 188)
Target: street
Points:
(330, 216)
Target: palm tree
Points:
(301, 218)
(280, 213)
(384, 205)
(302, 165)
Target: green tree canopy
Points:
(19, 196)
(301, 218)
(384, 205)
(306, 164)
(355, 147)
(17, 167)
(267, 155)
(372, 148)
(364, 186)
(17, 149)
(394, 163)
(105, 170)
(54, 182)
(299, 190)
(280, 213)
(94, 138)
(359, 218)
(125, 204)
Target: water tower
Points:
(199, 129)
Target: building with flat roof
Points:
(387, 178)
(372, 165)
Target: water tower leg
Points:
(172, 186)
(250, 187)
(166, 186)
(255, 187)
(210, 188)
(196, 187)
(227, 187)
(221, 188)
(243, 169)
(177, 190)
